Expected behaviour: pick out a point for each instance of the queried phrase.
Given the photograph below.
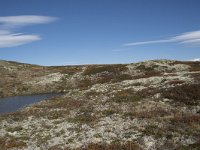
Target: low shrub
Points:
(149, 71)
(126, 96)
(13, 129)
(113, 146)
(11, 143)
(84, 116)
(84, 83)
(175, 82)
(185, 119)
(122, 77)
(108, 112)
(90, 70)
(188, 94)
(194, 65)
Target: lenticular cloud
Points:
(9, 24)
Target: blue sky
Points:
(67, 32)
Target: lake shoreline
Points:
(15, 103)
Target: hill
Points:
(146, 105)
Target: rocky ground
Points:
(153, 105)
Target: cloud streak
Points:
(24, 20)
(12, 40)
(192, 38)
(9, 38)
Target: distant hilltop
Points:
(21, 78)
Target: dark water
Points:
(12, 104)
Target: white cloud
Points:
(8, 38)
(147, 42)
(12, 40)
(24, 20)
(196, 59)
(192, 38)
(187, 36)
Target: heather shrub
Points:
(188, 94)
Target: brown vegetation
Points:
(113, 146)
(90, 70)
(126, 96)
(188, 94)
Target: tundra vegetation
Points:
(142, 106)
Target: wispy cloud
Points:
(12, 40)
(192, 38)
(195, 59)
(9, 25)
(24, 20)
(148, 42)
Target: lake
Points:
(12, 104)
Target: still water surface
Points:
(12, 104)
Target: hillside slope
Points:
(147, 105)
